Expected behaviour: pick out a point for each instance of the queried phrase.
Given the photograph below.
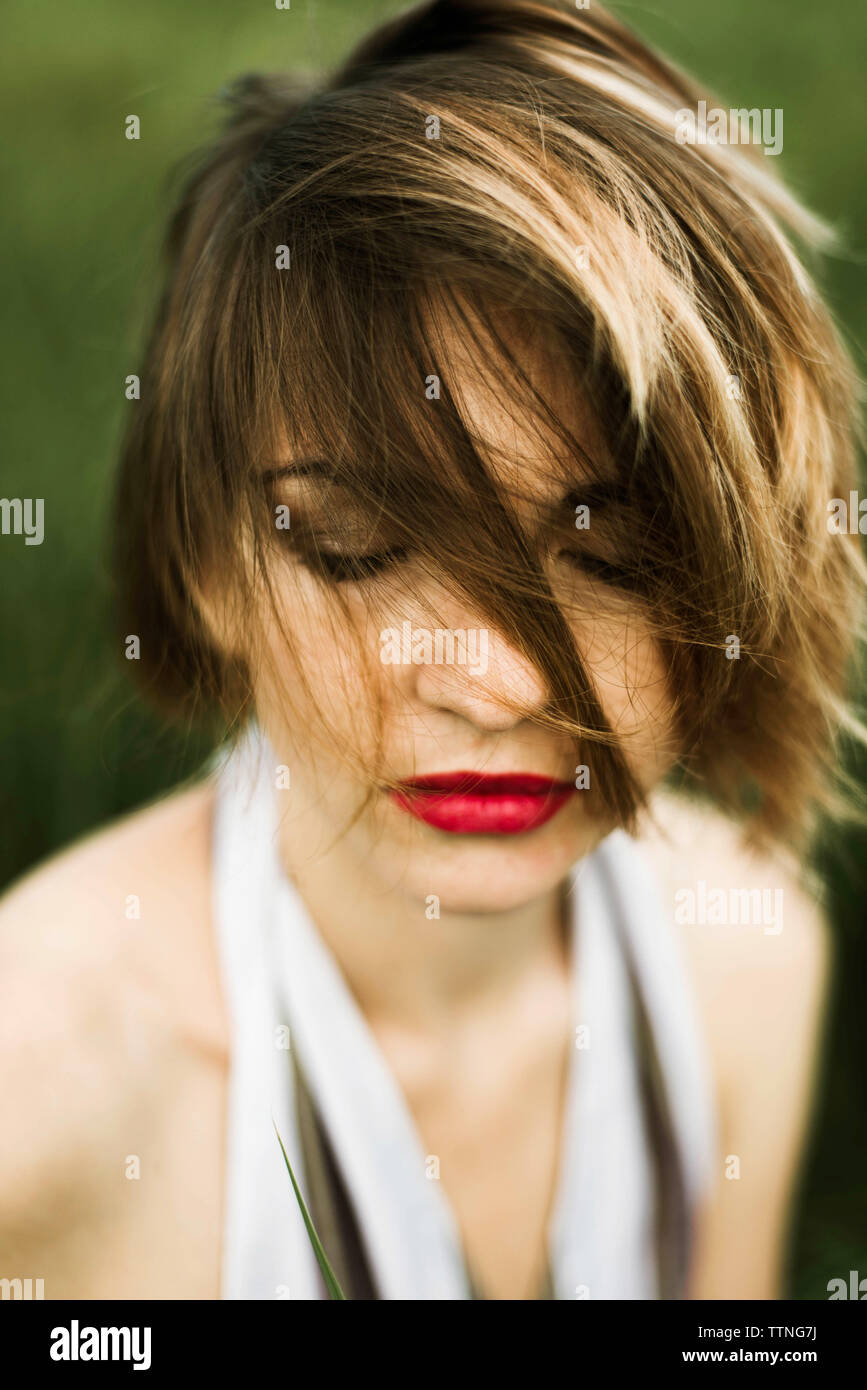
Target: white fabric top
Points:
(284, 987)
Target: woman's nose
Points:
(481, 676)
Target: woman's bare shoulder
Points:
(734, 906)
(74, 891)
(752, 924)
(757, 945)
(107, 974)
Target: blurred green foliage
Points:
(84, 213)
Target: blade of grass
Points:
(327, 1272)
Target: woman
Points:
(479, 487)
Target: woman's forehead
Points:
(520, 445)
(517, 440)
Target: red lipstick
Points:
(469, 803)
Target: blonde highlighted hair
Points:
(663, 275)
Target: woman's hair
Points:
(519, 162)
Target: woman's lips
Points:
(468, 803)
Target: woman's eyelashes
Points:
(352, 555)
(342, 568)
(606, 571)
(356, 567)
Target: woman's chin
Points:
(451, 873)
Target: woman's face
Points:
(502, 844)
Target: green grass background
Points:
(84, 215)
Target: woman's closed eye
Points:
(344, 567)
(356, 567)
(347, 555)
(604, 570)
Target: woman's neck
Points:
(413, 970)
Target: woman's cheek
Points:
(625, 662)
(318, 668)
